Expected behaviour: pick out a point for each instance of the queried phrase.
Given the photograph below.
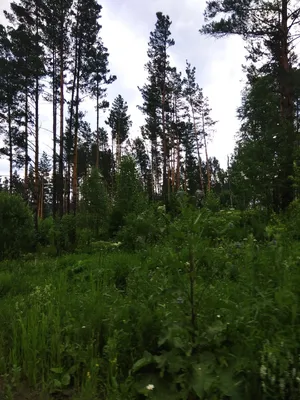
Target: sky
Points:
(126, 26)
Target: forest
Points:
(139, 268)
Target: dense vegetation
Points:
(133, 269)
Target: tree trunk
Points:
(198, 146)
(75, 162)
(10, 151)
(60, 194)
(206, 155)
(97, 128)
(54, 94)
(26, 142)
(287, 110)
(165, 177)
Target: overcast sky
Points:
(126, 28)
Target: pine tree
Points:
(85, 33)
(29, 15)
(120, 124)
(152, 129)
(143, 163)
(268, 26)
(9, 95)
(98, 81)
(57, 39)
(155, 93)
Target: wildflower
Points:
(150, 386)
(218, 316)
(88, 374)
(83, 327)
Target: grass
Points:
(107, 325)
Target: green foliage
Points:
(65, 233)
(293, 220)
(146, 228)
(46, 231)
(94, 204)
(188, 314)
(16, 226)
(212, 202)
(129, 196)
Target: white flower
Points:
(150, 386)
(83, 327)
(218, 316)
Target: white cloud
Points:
(126, 28)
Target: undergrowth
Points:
(208, 311)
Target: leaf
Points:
(202, 380)
(58, 370)
(72, 370)
(66, 380)
(146, 360)
(228, 385)
(57, 383)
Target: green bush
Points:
(143, 229)
(65, 233)
(293, 220)
(16, 226)
(46, 231)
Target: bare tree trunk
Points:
(97, 127)
(198, 147)
(178, 164)
(36, 159)
(26, 143)
(75, 163)
(37, 92)
(287, 108)
(206, 155)
(54, 94)
(10, 151)
(61, 125)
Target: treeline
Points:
(52, 50)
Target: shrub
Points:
(46, 231)
(65, 233)
(16, 226)
(293, 220)
(147, 227)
